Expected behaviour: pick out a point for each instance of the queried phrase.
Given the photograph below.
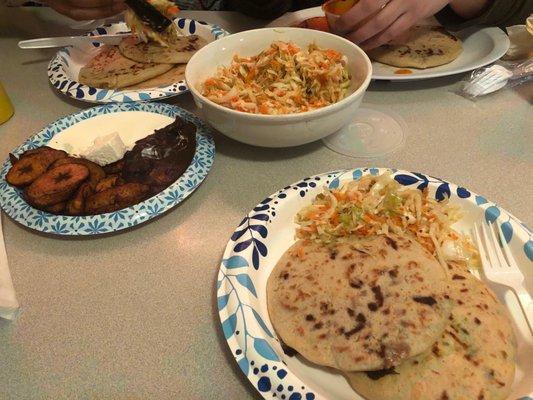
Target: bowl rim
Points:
(281, 117)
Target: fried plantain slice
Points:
(109, 182)
(96, 172)
(44, 150)
(31, 165)
(56, 185)
(26, 170)
(57, 208)
(76, 205)
(131, 193)
(116, 198)
(114, 168)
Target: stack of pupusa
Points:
(393, 320)
(136, 64)
(147, 59)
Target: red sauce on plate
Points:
(403, 72)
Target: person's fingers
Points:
(358, 13)
(379, 23)
(399, 26)
(82, 14)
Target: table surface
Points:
(133, 316)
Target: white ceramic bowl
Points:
(277, 130)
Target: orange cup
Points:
(335, 8)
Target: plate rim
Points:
(177, 192)
(494, 33)
(70, 87)
(269, 391)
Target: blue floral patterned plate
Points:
(132, 121)
(266, 233)
(64, 68)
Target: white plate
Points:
(132, 121)
(65, 67)
(268, 231)
(481, 46)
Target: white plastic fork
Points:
(488, 81)
(503, 269)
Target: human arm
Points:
(500, 13)
(388, 19)
(81, 10)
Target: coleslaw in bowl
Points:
(282, 79)
(278, 129)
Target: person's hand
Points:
(81, 10)
(383, 20)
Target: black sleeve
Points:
(264, 9)
(501, 13)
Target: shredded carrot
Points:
(339, 195)
(173, 10)
(335, 218)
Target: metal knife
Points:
(44, 43)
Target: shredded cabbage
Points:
(283, 79)
(377, 205)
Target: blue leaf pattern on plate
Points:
(334, 183)
(255, 258)
(245, 281)
(144, 96)
(528, 249)
(463, 193)
(491, 214)
(235, 262)
(261, 323)
(242, 245)
(481, 200)
(238, 234)
(261, 247)
(244, 365)
(405, 180)
(443, 192)
(422, 185)
(507, 230)
(260, 217)
(222, 301)
(264, 349)
(228, 326)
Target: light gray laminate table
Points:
(132, 316)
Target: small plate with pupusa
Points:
(425, 51)
(107, 75)
(336, 287)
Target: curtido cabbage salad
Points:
(377, 205)
(283, 79)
